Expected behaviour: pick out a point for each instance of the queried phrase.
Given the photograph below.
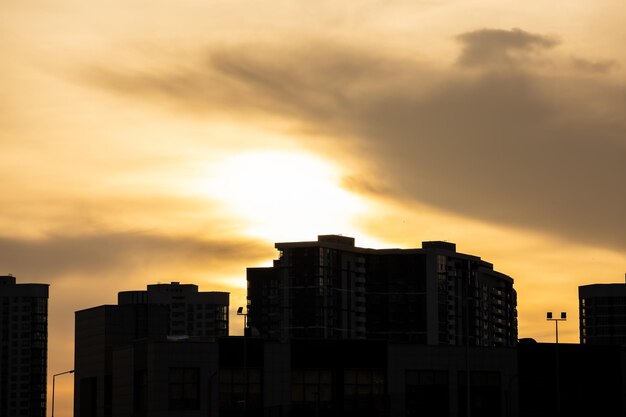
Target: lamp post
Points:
(556, 321)
(245, 318)
(53, 382)
(245, 359)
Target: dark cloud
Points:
(531, 149)
(489, 47)
(101, 254)
(595, 67)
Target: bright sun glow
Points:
(285, 195)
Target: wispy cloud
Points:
(122, 253)
(596, 67)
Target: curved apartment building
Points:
(332, 289)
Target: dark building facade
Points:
(332, 289)
(23, 348)
(602, 309)
(363, 378)
(164, 310)
(244, 376)
(314, 290)
(162, 378)
(591, 380)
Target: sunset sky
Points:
(157, 141)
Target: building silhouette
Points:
(23, 348)
(191, 312)
(339, 331)
(331, 289)
(602, 309)
(247, 376)
(165, 310)
(592, 379)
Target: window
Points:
(238, 391)
(184, 389)
(427, 393)
(312, 392)
(441, 264)
(485, 393)
(364, 390)
(311, 385)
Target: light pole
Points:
(245, 358)
(556, 321)
(53, 382)
(468, 376)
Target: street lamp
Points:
(53, 382)
(245, 318)
(556, 321)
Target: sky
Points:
(152, 141)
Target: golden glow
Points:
(284, 195)
(81, 157)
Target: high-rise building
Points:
(23, 348)
(431, 295)
(191, 312)
(602, 310)
(314, 290)
(175, 310)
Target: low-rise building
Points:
(245, 376)
(164, 310)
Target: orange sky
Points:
(151, 141)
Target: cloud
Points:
(87, 270)
(489, 47)
(121, 254)
(594, 67)
(542, 150)
(252, 78)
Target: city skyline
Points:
(146, 143)
(140, 296)
(332, 292)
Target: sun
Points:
(285, 195)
